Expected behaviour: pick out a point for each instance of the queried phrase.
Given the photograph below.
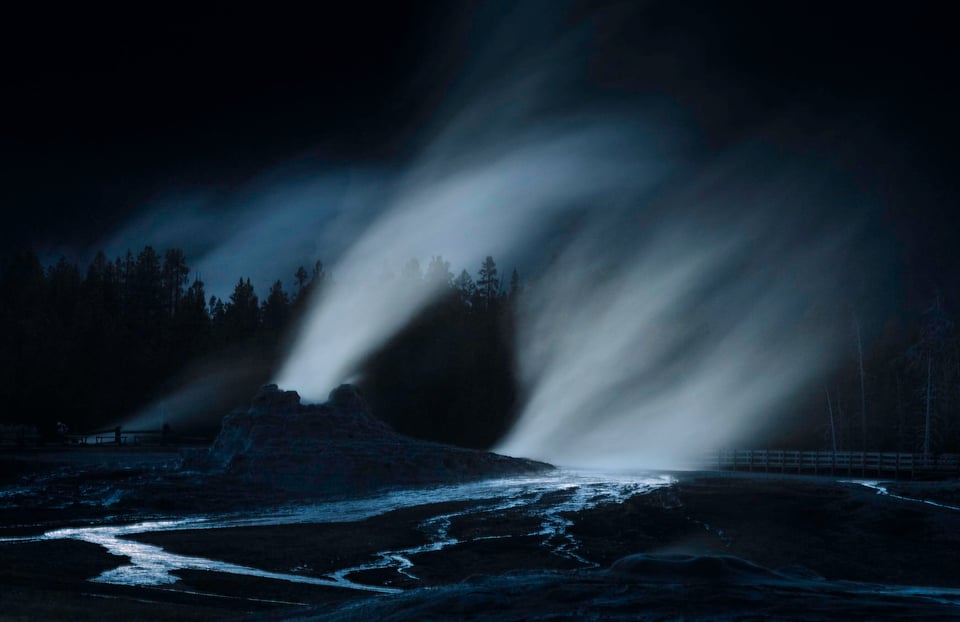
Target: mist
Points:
(723, 310)
(264, 230)
(462, 206)
(679, 296)
(201, 394)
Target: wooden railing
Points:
(853, 463)
(19, 435)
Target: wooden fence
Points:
(852, 463)
(19, 435)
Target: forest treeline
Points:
(88, 346)
(898, 392)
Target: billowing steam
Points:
(686, 296)
(462, 205)
(263, 231)
(672, 323)
(656, 355)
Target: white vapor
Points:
(463, 206)
(675, 322)
(687, 343)
(263, 231)
(693, 296)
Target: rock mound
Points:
(339, 446)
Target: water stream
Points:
(882, 490)
(546, 497)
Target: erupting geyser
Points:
(462, 205)
(670, 325)
(337, 447)
(678, 295)
(656, 356)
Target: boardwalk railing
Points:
(19, 435)
(853, 463)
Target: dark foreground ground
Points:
(707, 547)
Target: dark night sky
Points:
(105, 108)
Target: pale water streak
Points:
(152, 565)
(882, 490)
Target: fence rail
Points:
(837, 462)
(19, 435)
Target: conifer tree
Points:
(488, 285)
(465, 287)
(276, 308)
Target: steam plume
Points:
(463, 206)
(657, 356)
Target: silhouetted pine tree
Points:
(466, 289)
(276, 308)
(173, 279)
(488, 284)
(242, 314)
(218, 312)
(301, 279)
(192, 324)
(146, 289)
(514, 284)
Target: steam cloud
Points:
(263, 231)
(657, 356)
(691, 298)
(674, 321)
(487, 202)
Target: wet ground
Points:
(130, 537)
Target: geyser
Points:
(463, 205)
(657, 355)
(687, 294)
(672, 323)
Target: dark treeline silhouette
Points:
(900, 392)
(449, 375)
(91, 346)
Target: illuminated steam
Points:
(461, 205)
(688, 294)
(675, 321)
(263, 231)
(656, 356)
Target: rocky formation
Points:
(338, 447)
